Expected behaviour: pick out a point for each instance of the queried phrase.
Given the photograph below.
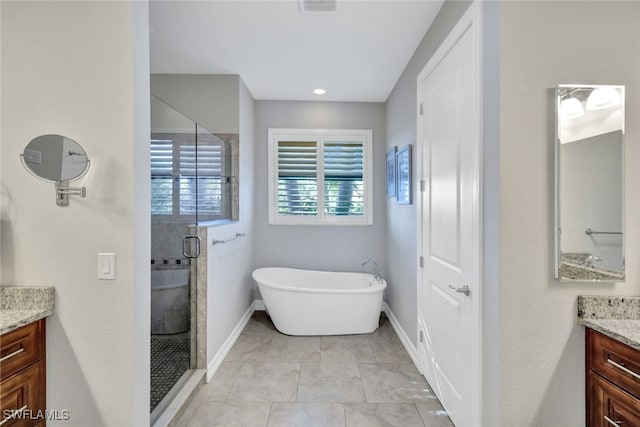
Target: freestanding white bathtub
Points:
(307, 302)
(170, 304)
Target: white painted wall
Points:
(81, 69)
(229, 265)
(541, 345)
(141, 213)
(4, 196)
(336, 248)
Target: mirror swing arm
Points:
(63, 191)
(59, 160)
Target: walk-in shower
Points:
(174, 208)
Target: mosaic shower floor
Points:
(169, 361)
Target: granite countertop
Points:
(21, 305)
(616, 317)
(580, 266)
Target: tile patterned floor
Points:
(169, 361)
(273, 380)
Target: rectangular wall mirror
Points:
(590, 183)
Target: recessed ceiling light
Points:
(319, 91)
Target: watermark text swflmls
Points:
(40, 414)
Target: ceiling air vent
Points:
(318, 6)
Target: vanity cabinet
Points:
(613, 382)
(22, 375)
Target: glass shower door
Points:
(174, 249)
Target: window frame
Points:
(320, 137)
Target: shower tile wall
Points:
(232, 142)
(166, 241)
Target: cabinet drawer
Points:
(21, 347)
(610, 406)
(23, 392)
(615, 361)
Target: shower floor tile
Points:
(273, 380)
(169, 361)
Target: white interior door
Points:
(449, 215)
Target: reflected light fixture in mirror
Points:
(603, 97)
(571, 108)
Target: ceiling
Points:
(356, 54)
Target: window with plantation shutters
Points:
(320, 177)
(203, 191)
(343, 178)
(297, 178)
(161, 177)
(176, 188)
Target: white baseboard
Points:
(408, 345)
(259, 304)
(217, 360)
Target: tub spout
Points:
(376, 270)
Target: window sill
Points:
(323, 224)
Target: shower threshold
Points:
(172, 406)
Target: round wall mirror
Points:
(55, 158)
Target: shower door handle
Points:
(186, 246)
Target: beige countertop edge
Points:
(627, 331)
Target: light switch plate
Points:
(106, 266)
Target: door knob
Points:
(463, 290)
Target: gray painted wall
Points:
(337, 248)
(211, 100)
(491, 33)
(401, 113)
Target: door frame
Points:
(470, 21)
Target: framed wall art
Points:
(391, 172)
(403, 167)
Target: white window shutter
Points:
(161, 177)
(297, 189)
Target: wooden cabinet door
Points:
(22, 396)
(610, 406)
(617, 362)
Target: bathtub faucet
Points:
(376, 270)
